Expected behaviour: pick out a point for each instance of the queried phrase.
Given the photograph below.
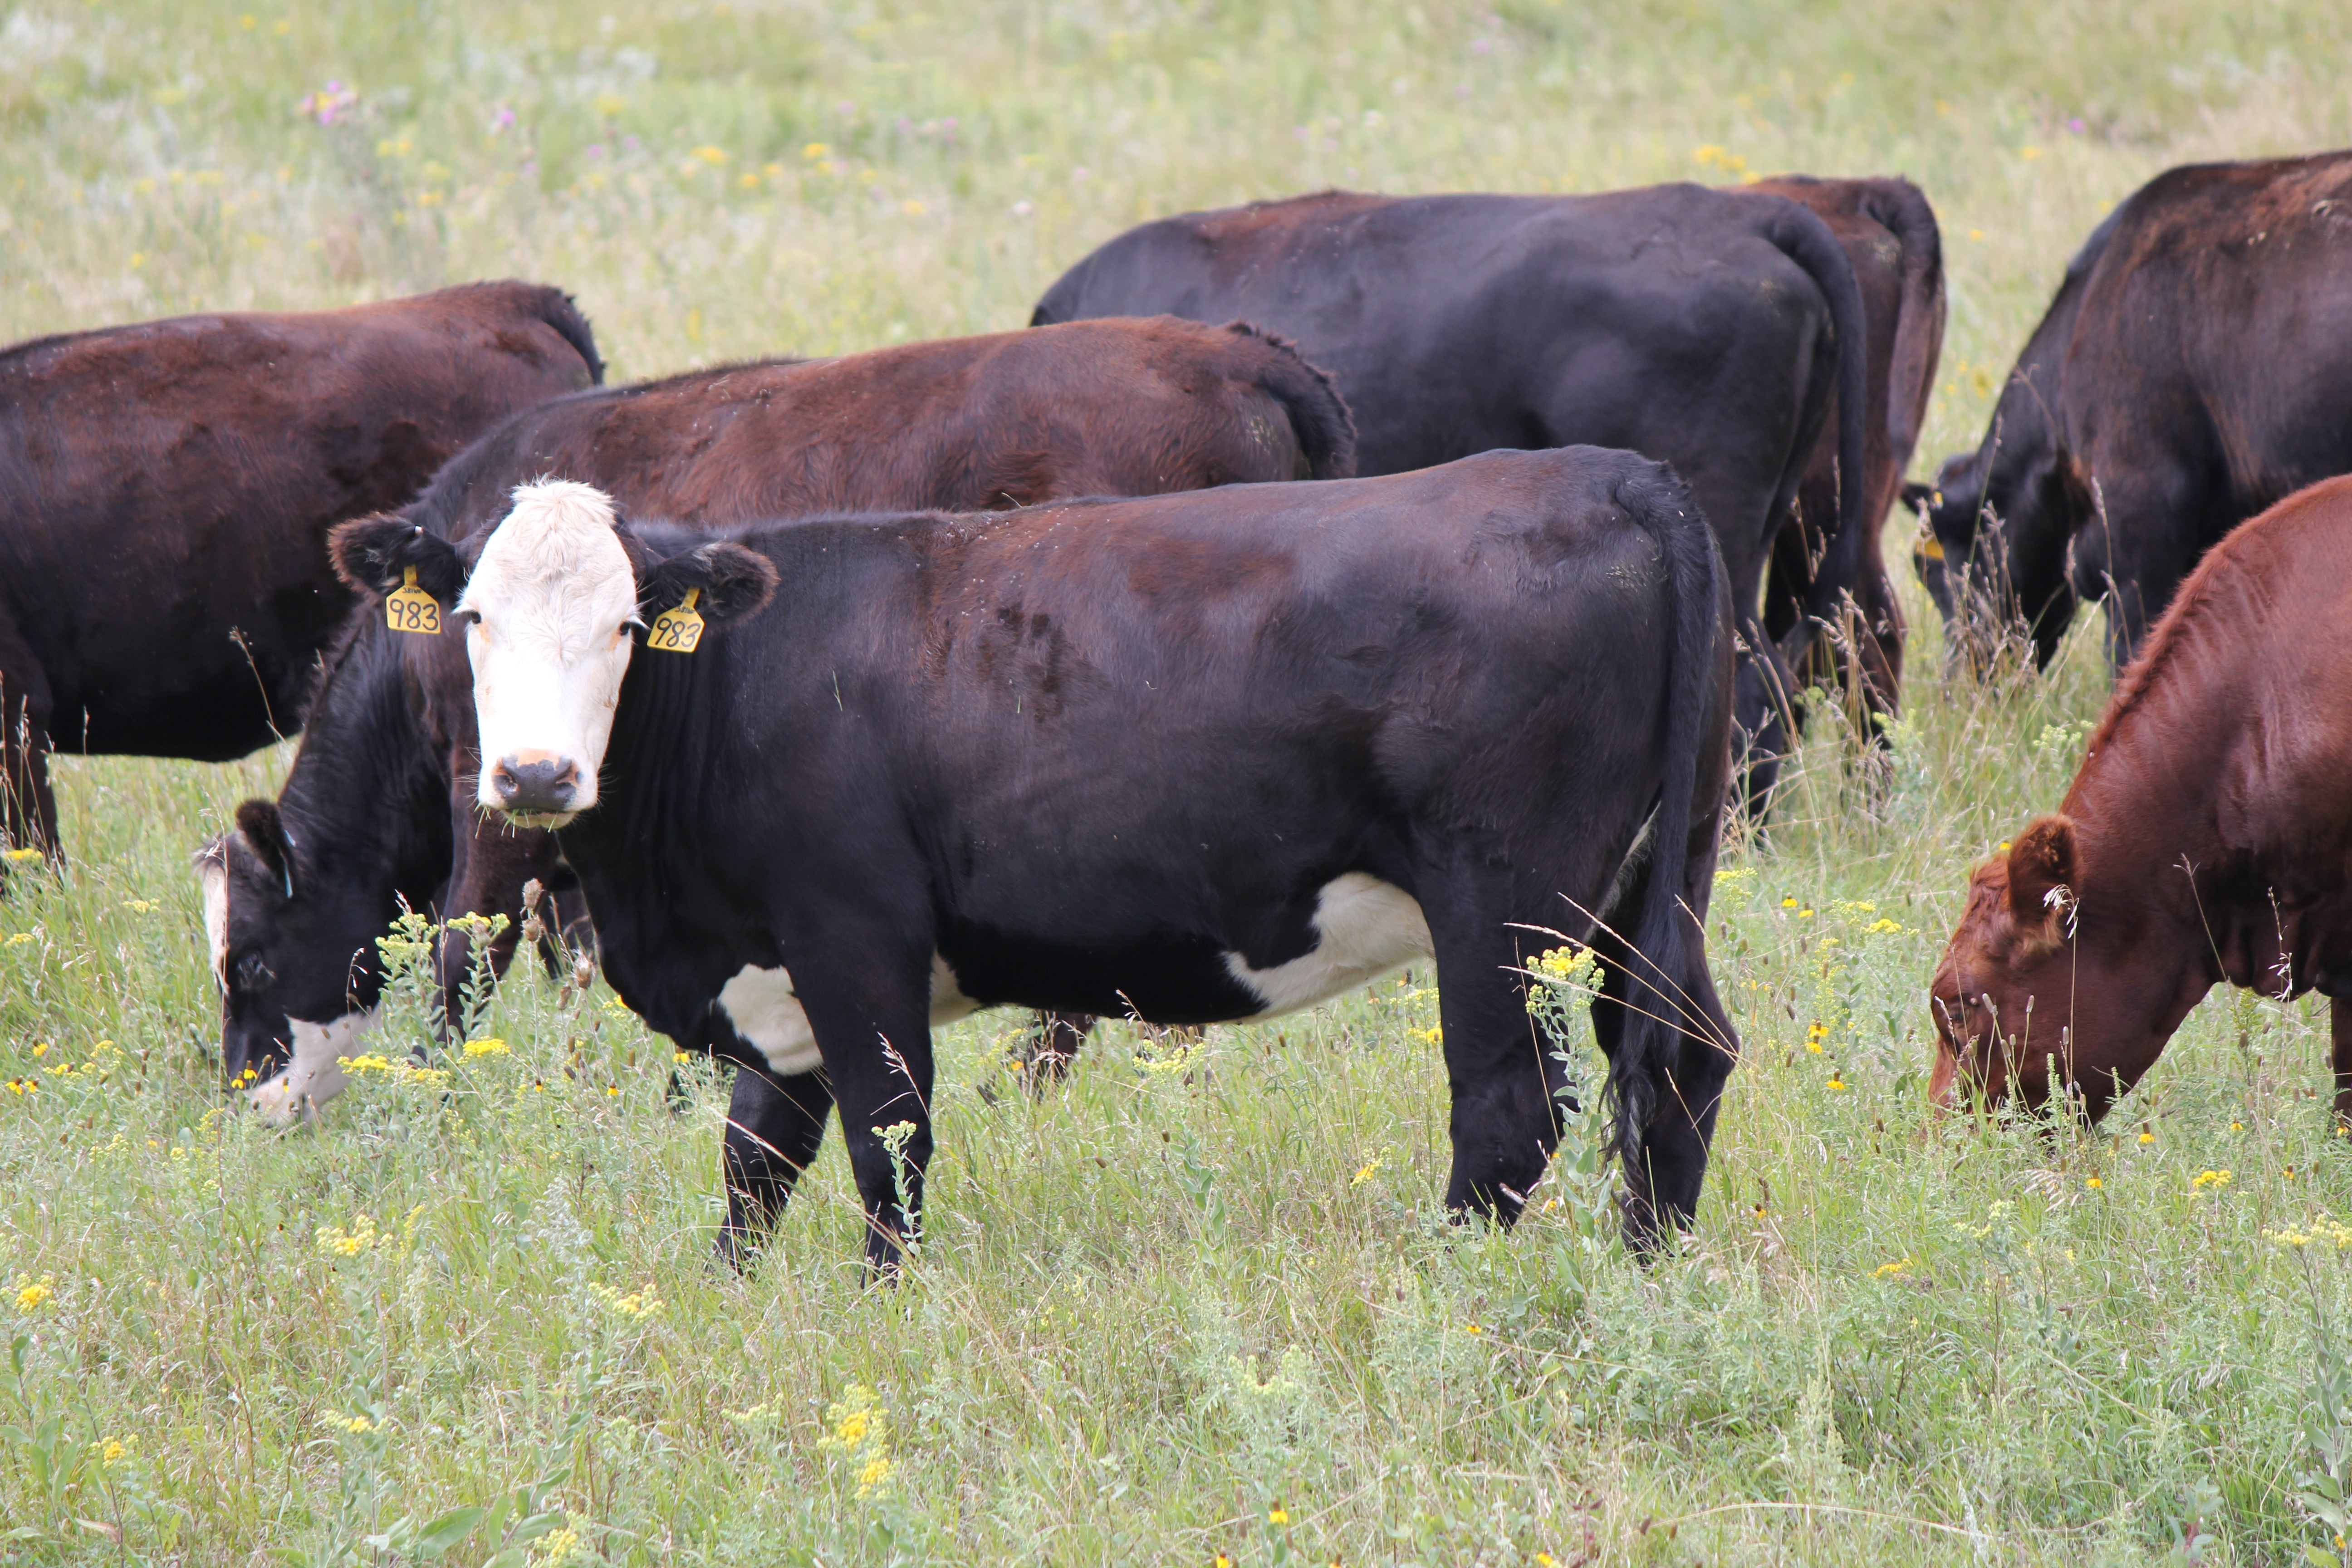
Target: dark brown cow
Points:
(306, 884)
(165, 492)
(2195, 367)
(1889, 232)
(2206, 839)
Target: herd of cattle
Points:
(1315, 586)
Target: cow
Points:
(165, 492)
(2192, 369)
(1188, 758)
(1706, 329)
(297, 892)
(1890, 236)
(2205, 838)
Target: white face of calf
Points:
(551, 603)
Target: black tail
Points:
(1666, 939)
(1800, 235)
(557, 310)
(1319, 419)
(1901, 209)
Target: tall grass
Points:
(1190, 1289)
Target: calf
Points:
(2206, 838)
(165, 492)
(1706, 329)
(297, 893)
(2193, 368)
(1199, 757)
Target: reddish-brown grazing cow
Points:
(298, 892)
(2207, 837)
(1889, 232)
(165, 492)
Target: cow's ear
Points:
(1919, 498)
(733, 583)
(2041, 872)
(264, 832)
(375, 554)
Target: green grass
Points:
(1181, 1292)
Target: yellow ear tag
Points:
(409, 608)
(1932, 548)
(677, 631)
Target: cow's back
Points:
(165, 489)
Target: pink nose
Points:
(535, 782)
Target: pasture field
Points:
(1197, 1303)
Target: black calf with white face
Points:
(1215, 756)
(297, 893)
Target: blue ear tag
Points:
(677, 630)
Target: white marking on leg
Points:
(766, 1010)
(214, 874)
(316, 1075)
(1363, 928)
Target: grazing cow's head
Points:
(2034, 981)
(287, 1018)
(549, 604)
(1999, 998)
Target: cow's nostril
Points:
(546, 784)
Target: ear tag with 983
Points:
(409, 608)
(677, 630)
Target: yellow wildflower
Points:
(714, 156)
(2211, 1179)
(816, 150)
(359, 1423)
(1278, 1516)
(1788, 903)
(335, 1241)
(1837, 1083)
(875, 1472)
(1888, 1271)
(556, 1546)
(31, 1292)
(1365, 1174)
(1434, 1034)
(1472, 1329)
(2146, 1137)
(2093, 1183)
(21, 856)
(490, 1045)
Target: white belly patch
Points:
(762, 1006)
(1363, 928)
(316, 1075)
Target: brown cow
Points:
(1889, 232)
(165, 492)
(298, 892)
(2206, 838)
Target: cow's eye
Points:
(253, 972)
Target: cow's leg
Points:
(1683, 1092)
(1050, 1046)
(29, 810)
(1764, 715)
(1505, 1123)
(2340, 1023)
(873, 1029)
(2156, 518)
(774, 1127)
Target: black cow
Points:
(165, 492)
(297, 895)
(1199, 757)
(1706, 329)
(2194, 369)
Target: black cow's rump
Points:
(1195, 757)
(1706, 329)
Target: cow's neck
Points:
(366, 799)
